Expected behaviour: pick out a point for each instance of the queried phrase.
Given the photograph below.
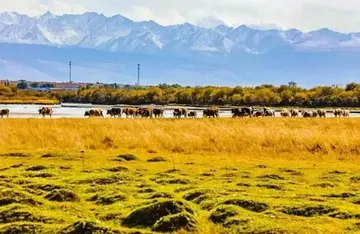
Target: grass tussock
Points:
(270, 137)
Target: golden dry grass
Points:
(286, 164)
(332, 138)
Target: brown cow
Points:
(4, 112)
(94, 113)
(211, 112)
(130, 112)
(144, 112)
(178, 112)
(46, 111)
(285, 113)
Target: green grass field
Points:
(129, 189)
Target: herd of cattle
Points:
(150, 112)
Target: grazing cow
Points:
(46, 111)
(130, 112)
(178, 112)
(113, 112)
(315, 114)
(259, 113)
(158, 112)
(4, 112)
(247, 111)
(211, 112)
(144, 112)
(307, 114)
(237, 112)
(269, 112)
(322, 113)
(341, 113)
(94, 113)
(285, 113)
(294, 112)
(346, 113)
(192, 114)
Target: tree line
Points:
(264, 95)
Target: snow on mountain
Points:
(117, 33)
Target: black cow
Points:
(113, 112)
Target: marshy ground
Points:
(202, 178)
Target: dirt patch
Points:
(356, 202)
(43, 187)
(36, 168)
(270, 186)
(62, 195)
(337, 172)
(17, 165)
(236, 223)
(86, 227)
(161, 195)
(127, 157)
(292, 172)
(115, 179)
(341, 195)
(118, 169)
(309, 211)
(157, 159)
(355, 179)
(19, 228)
(108, 200)
(222, 213)
(147, 190)
(65, 168)
(344, 215)
(248, 205)
(172, 181)
(262, 166)
(12, 215)
(355, 227)
(192, 195)
(48, 156)
(8, 196)
(39, 175)
(173, 223)
(16, 155)
(147, 216)
(271, 177)
(324, 185)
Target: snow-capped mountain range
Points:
(107, 49)
(120, 34)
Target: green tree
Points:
(22, 84)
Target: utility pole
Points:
(70, 71)
(138, 78)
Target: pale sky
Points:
(306, 15)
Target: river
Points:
(31, 111)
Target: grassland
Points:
(204, 176)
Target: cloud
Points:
(303, 14)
